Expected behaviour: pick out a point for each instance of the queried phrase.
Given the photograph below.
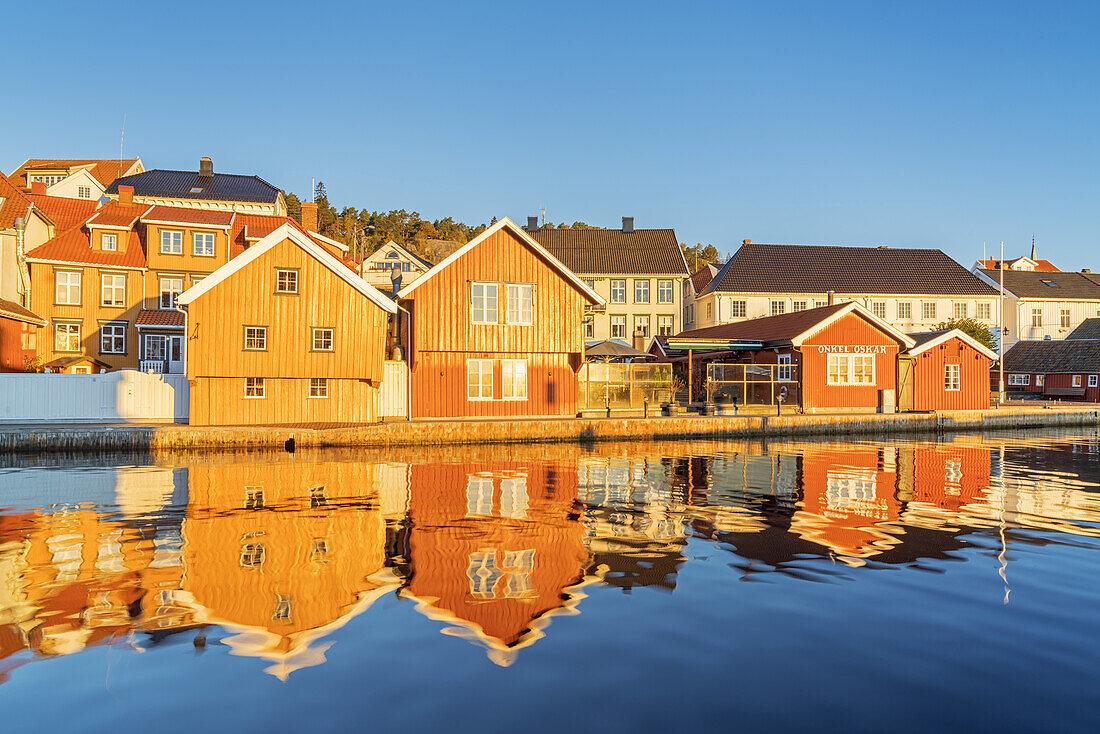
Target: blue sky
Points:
(914, 125)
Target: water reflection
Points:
(276, 553)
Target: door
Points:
(395, 390)
(905, 383)
(175, 354)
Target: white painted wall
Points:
(126, 396)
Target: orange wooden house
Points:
(284, 333)
(495, 330)
(945, 370)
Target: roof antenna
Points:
(121, 144)
(984, 256)
(542, 212)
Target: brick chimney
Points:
(532, 224)
(126, 195)
(309, 216)
(206, 166)
(38, 187)
(628, 225)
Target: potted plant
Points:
(676, 384)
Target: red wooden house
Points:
(946, 370)
(494, 330)
(1058, 369)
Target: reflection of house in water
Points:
(495, 549)
(283, 553)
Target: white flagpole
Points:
(1001, 330)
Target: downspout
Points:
(21, 260)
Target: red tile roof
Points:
(703, 276)
(185, 215)
(113, 214)
(65, 213)
(104, 171)
(15, 205)
(780, 328)
(157, 317)
(75, 246)
(12, 310)
(1041, 266)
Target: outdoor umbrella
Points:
(610, 349)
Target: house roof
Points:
(928, 339)
(12, 310)
(15, 203)
(118, 216)
(703, 276)
(1045, 266)
(251, 228)
(159, 317)
(1053, 357)
(63, 362)
(103, 170)
(75, 246)
(1059, 285)
(411, 255)
(757, 268)
(183, 185)
(65, 213)
(614, 252)
(184, 215)
(1089, 329)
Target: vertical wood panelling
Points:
(221, 401)
(850, 329)
(928, 378)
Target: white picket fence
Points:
(127, 396)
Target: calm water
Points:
(861, 586)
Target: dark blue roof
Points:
(183, 185)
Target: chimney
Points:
(532, 224)
(38, 187)
(746, 242)
(125, 195)
(639, 339)
(206, 166)
(832, 297)
(395, 280)
(628, 225)
(309, 216)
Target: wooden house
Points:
(946, 370)
(284, 333)
(1058, 369)
(494, 330)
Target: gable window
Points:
(169, 289)
(851, 369)
(664, 326)
(641, 326)
(778, 307)
(286, 281)
(1020, 380)
(984, 311)
(479, 379)
(1037, 317)
(483, 303)
(254, 388)
(664, 291)
(1065, 318)
(520, 298)
(618, 291)
(878, 308)
(641, 291)
(960, 310)
(67, 292)
(951, 377)
(618, 327)
(112, 289)
(108, 242)
(255, 338)
(318, 387)
(112, 338)
(738, 309)
(83, 192)
(66, 337)
(513, 379)
(929, 310)
(171, 242)
(1093, 380)
(905, 310)
(203, 244)
(798, 305)
(784, 370)
(322, 340)
(1077, 380)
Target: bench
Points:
(1064, 392)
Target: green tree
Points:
(294, 208)
(699, 255)
(973, 328)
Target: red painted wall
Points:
(928, 378)
(17, 340)
(1092, 394)
(850, 331)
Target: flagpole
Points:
(1001, 331)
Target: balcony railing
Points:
(155, 366)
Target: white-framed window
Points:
(479, 495)
(156, 347)
(878, 308)
(664, 326)
(479, 379)
(1037, 317)
(960, 310)
(590, 283)
(170, 287)
(851, 369)
(984, 311)
(171, 242)
(590, 328)
(1093, 380)
(255, 338)
(108, 242)
(196, 279)
(67, 287)
(47, 179)
(905, 310)
(112, 338)
(254, 388)
(929, 310)
(1077, 380)
(66, 337)
(952, 378)
(83, 192)
(1019, 380)
(286, 281)
(665, 291)
(483, 303)
(1064, 315)
(784, 371)
(798, 306)
(618, 291)
(739, 309)
(112, 289)
(520, 303)
(203, 244)
(820, 304)
(618, 326)
(710, 310)
(322, 340)
(513, 379)
(641, 291)
(641, 326)
(778, 307)
(318, 387)
(1040, 380)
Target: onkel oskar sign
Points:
(851, 349)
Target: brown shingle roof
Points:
(703, 276)
(1053, 357)
(614, 252)
(1089, 329)
(104, 171)
(64, 213)
(75, 246)
(819, 269)
(1033, 284)
(769, 329)
(12, 310)
(157, 317)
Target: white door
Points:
(395, 390)
(175, 354)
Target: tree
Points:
(975, 329)
(700, 255)
(294, 208)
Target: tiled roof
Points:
(854, 270)
(104, 171)
(184, 215)
(248, 228)
(1053, 357)
(1089, 329)
(75, 246)
(704, 275)
(926, 336)
(181, 185)
(1045, 266)
(769, 329)
(158, 317)
(1031, 284)
(614, 252)
(16, 204)
(63, 212)
(113, 214)
(63, 362)
(12, 310)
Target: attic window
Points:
(197, 190)
(1051, 283)
(392, 254)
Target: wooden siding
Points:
(17, 340)
(928, 378)
(1092, 394)
(850, 330)
(187, 262)
(221, 401)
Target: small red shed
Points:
(18, 336)
(945, 370)
(1058, 369)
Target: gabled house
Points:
(944, 370)
(1044, 305)
(74, 178)
(378, 267)
(284, 333)
(203, 189)
(23, 225)
(693, 286)
(494, 330)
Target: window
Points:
(322, 340)
(1092, 380)
(479, 379)
(641, 291)
(282, 608)
(68, 287)
(664, 325)
(710, 310)
(252, 555)
(169, 289)
(196, 279)
(1077, 380)
(929, 310)
(513, 379)
(819, 304)
(618, 327)
(664, 291)
(1037, 317)
(1065, 318)
(254, 388)
(484, 303)
(851, 369)
(739, 309)
(618, 291)
(66, 337)
(1049, 283)
(83, 192)
(784, 371)
(984, 311)
(112, 289)
(905, 310)
(108, 242)
(286, 281)
(778, 307)
(1020, 380)
(589, 328)
(951, 378)
(171, 242)
(641, 326)
(255, 338)
(960, 310)
(203, 244)
(112, 338)
(1040, 380)
(798, 305)
(318, 387)
(878, 308)
(156, 347)
(520, 298)
(590, 283)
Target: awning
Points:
(612, 349)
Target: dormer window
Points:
(83, 192)
(108, 242)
